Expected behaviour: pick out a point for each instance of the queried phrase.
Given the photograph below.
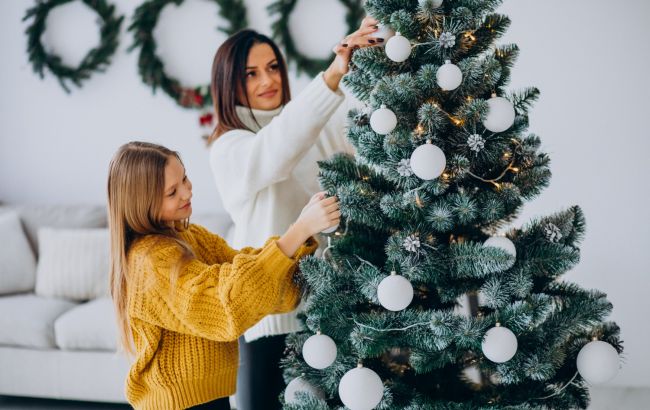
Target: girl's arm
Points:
(217, 302)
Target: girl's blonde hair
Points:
(136, 183)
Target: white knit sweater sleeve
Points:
(243, 163)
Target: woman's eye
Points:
(274, 67)
(250, 74)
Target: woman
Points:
(264, 155)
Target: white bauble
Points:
(299, 384)
(503, 243)
(449, 76)
(395, 292)
(598, 362)
(428, 161)
(331, 229)
(398, 48)
(384, 32)
(383, 120)
(434, 3)
(361, 389)
(501, 114)
(499, 344)
(319, 351)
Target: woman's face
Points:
(263, 79)
(177, 193)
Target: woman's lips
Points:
(268, 94)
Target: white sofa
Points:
(57, 325)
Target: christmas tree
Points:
(443, 165)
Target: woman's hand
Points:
(360, 38)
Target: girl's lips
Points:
(186, 205)
(268, 94)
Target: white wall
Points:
(589, 58)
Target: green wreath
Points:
(152, 69)
(281, 32)
(96, 60)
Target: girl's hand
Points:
(319, 214)
(360, 38)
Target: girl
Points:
(264, 155)
(182, 295)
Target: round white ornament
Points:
(361, 389)
(395, 292)
(499, 344)
(501, 114)
(319, 351)
(331, 229)
(299, 384)
(449, 76)
(398, 48)
(383, 120)
(503, 243)
(598, 362)
(428, 161)
(384, 32)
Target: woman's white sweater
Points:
(266, 177)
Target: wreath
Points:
(96, 60)
(152, 69)
(281, 32)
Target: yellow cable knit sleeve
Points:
(214, 301)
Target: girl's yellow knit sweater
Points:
(185, 329)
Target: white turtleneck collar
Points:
(262, 117)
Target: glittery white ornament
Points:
(449, 76)
(499, 344)
(398, 48)
(501, 114)
(447, 40)
(411, 243)
(598, 362)
(299, 384)
(404, 168)
(476, 143)
(383, 120)
(319, 351)
(428, 161)
(395, 292)
(361, 389)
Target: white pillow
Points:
(17, 263)
(73, 263)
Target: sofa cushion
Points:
(28, 320)
(73, 263)
(89, 326)
(17, 263)
(35, 217)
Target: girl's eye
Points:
(172, 193)
(185, 178)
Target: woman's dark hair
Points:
(229, 79)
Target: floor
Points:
(602, 399)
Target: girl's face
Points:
(263, 80)
(176, 204)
